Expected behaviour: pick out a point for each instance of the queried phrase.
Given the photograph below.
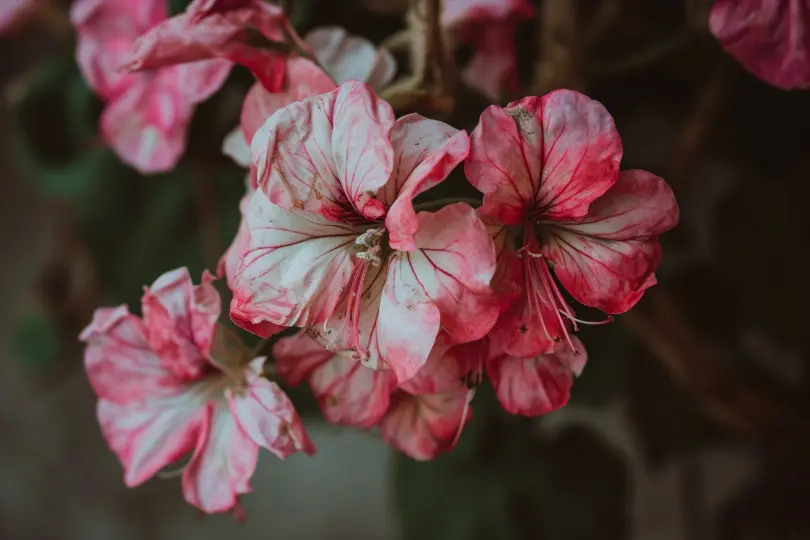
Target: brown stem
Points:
(558, 57)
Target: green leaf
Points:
(36, 342)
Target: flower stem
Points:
(441, 203)
(259, 348)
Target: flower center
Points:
(369, 245)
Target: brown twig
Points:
(558, 60)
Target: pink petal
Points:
(769, 37)
(298, 356)
(120, 364)
(198, 81)
(222, 464)
(425, 152)
(525, 329)
(493, 68)
(327, 154)
(236, 147)
(505, 283)
(549, 156)
(11, 10)
(607, 259)
(443, 369)
(348, 57)
(453, 265)
(229, 262)
(459, 12)
(296, 268)
(150, 434)
(536, 385)
(258, 106)
(268, 416)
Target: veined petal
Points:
(525, 328)
(442, 371)
(296, 268)
(505, 283)
(348, 57)
(222, 464)
(607, 259)
(327, 154)
(152, 433)
(770, 38)
(549, 156)
(268, 416)
(536, 385)
(425, 152)
(120, 364)
(298, 356)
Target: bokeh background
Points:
(690, 421)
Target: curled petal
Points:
(425, 152)
(268, 416)
(607, 259)
(222, 464)
(348, 57)
(536, 385)
(327, 154)
(769, 37)
(549, 156)
(298, 356)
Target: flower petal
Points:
(770, 38)
(348, 57)
(296, 268)
(493, 68)
(298, 356)
(527, 329)
(152, 433)
(120, 364)
(236, 147)
(607, 259)
(198, 81)
(536, 385)
(442, 371)
(425, 152)
(222, 464)
(549, 156)
(327, 154)
(268, 416)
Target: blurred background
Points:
(690, 421)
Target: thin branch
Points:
(558, 59)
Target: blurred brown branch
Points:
(558, 58)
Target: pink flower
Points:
(549, 167)
(490, 26)
(243, 31)
(12, 10)
(335, 240)
(174, 382)
(146, 114)
(769, 37)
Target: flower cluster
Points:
(402, 307)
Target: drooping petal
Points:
(295, 269)
(771, 38)
(327, 154)
(607, 259)
(223, 462)
(120, 364)
(268, 416)
(298, 356)
(425, 152)
(549, 156)
(154, 432)
(536, 385)
(348, 57)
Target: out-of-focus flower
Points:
(175, 382)
(489, 25)
(769, 37)
(335, 241)
(146, 116)
(549, 167)
(12, 11)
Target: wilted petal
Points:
(607, 259)
(425, 152)
(348, 57)
(327, 154)
(536, 385)
(296, 268)
(549, 156)
(268, 416)
(771, 38)
(222, 464)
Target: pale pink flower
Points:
(246, 32)
(13, 10)
(335, 241)
(550, 167)
(173, 382)
(769, 37)
(146, 115)
(489, 25)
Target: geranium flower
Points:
(489, 25)
(175, 382)
(769, 37)
(549, 169)
(146, 115)
(335, 240)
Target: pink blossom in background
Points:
(335, 243)
(241, 31)
(489, 25)
(12, 10)
(146, 115)
(173, 382)
(550, 167)
(771, 38)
